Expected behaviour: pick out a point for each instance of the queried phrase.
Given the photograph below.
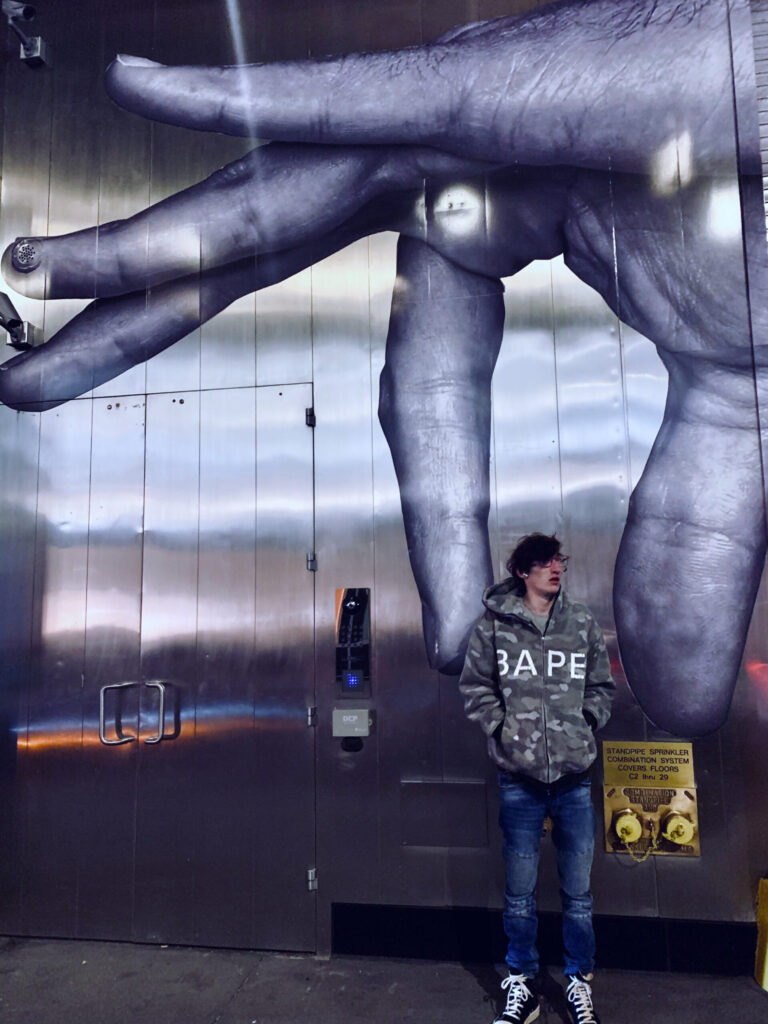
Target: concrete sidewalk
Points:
(46, 981)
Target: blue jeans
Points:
(524, 805)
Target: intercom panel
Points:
(353, 642)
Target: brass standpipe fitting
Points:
(678, 829)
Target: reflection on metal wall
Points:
(148, 534)
(156, 741)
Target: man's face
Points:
(544, 578)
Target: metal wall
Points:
(158, 531)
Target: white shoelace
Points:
(580, 994)
(518, 992)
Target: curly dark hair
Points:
(536, 547)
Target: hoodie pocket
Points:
(577, 748)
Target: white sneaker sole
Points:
(531, 1017)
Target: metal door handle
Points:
(102, 717)
(160, 711)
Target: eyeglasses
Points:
(561, 560)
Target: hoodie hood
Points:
(502, 601)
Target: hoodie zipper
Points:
(543, 689)
(543, 681)
(543, 700)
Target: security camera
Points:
(33, 49)
(21, 335)
(34, 52)
(20, 12)
(9, 318)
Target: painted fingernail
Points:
(25, 255)
(136, 62)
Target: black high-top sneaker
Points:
(579, 996)
(522, 1005)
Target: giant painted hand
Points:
(605, 131)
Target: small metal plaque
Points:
(351, 722)
(648, 764)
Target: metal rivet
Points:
(25, 255)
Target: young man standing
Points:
(537, 679)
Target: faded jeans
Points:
(524, 805)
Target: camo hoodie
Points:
(537, 696)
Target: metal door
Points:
(162, 667)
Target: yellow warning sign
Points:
(648, 764)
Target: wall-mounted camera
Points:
(21, 335)
(22, 12)
(33, 51)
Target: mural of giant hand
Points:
(601, 130)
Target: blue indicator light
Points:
(352, 680)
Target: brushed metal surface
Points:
(219, 354)
(19, 449)
(123, 145)
(406, 691)
(27, 105)
(283, 752)
(592, 435)
(450, 814)
(283, 332)
(717, 884)
(349, 858)
(526, 481)
(745, 774)
(74, 156)
(224, 813)
(112, 656)
(205, 835)
(226, 615)
(164, 839)
(225, 824)
(50, 759)
(594, 472)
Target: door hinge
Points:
(309, 417)
(311, 717)
(312, 562)
(312, 879)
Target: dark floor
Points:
(45, 981)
